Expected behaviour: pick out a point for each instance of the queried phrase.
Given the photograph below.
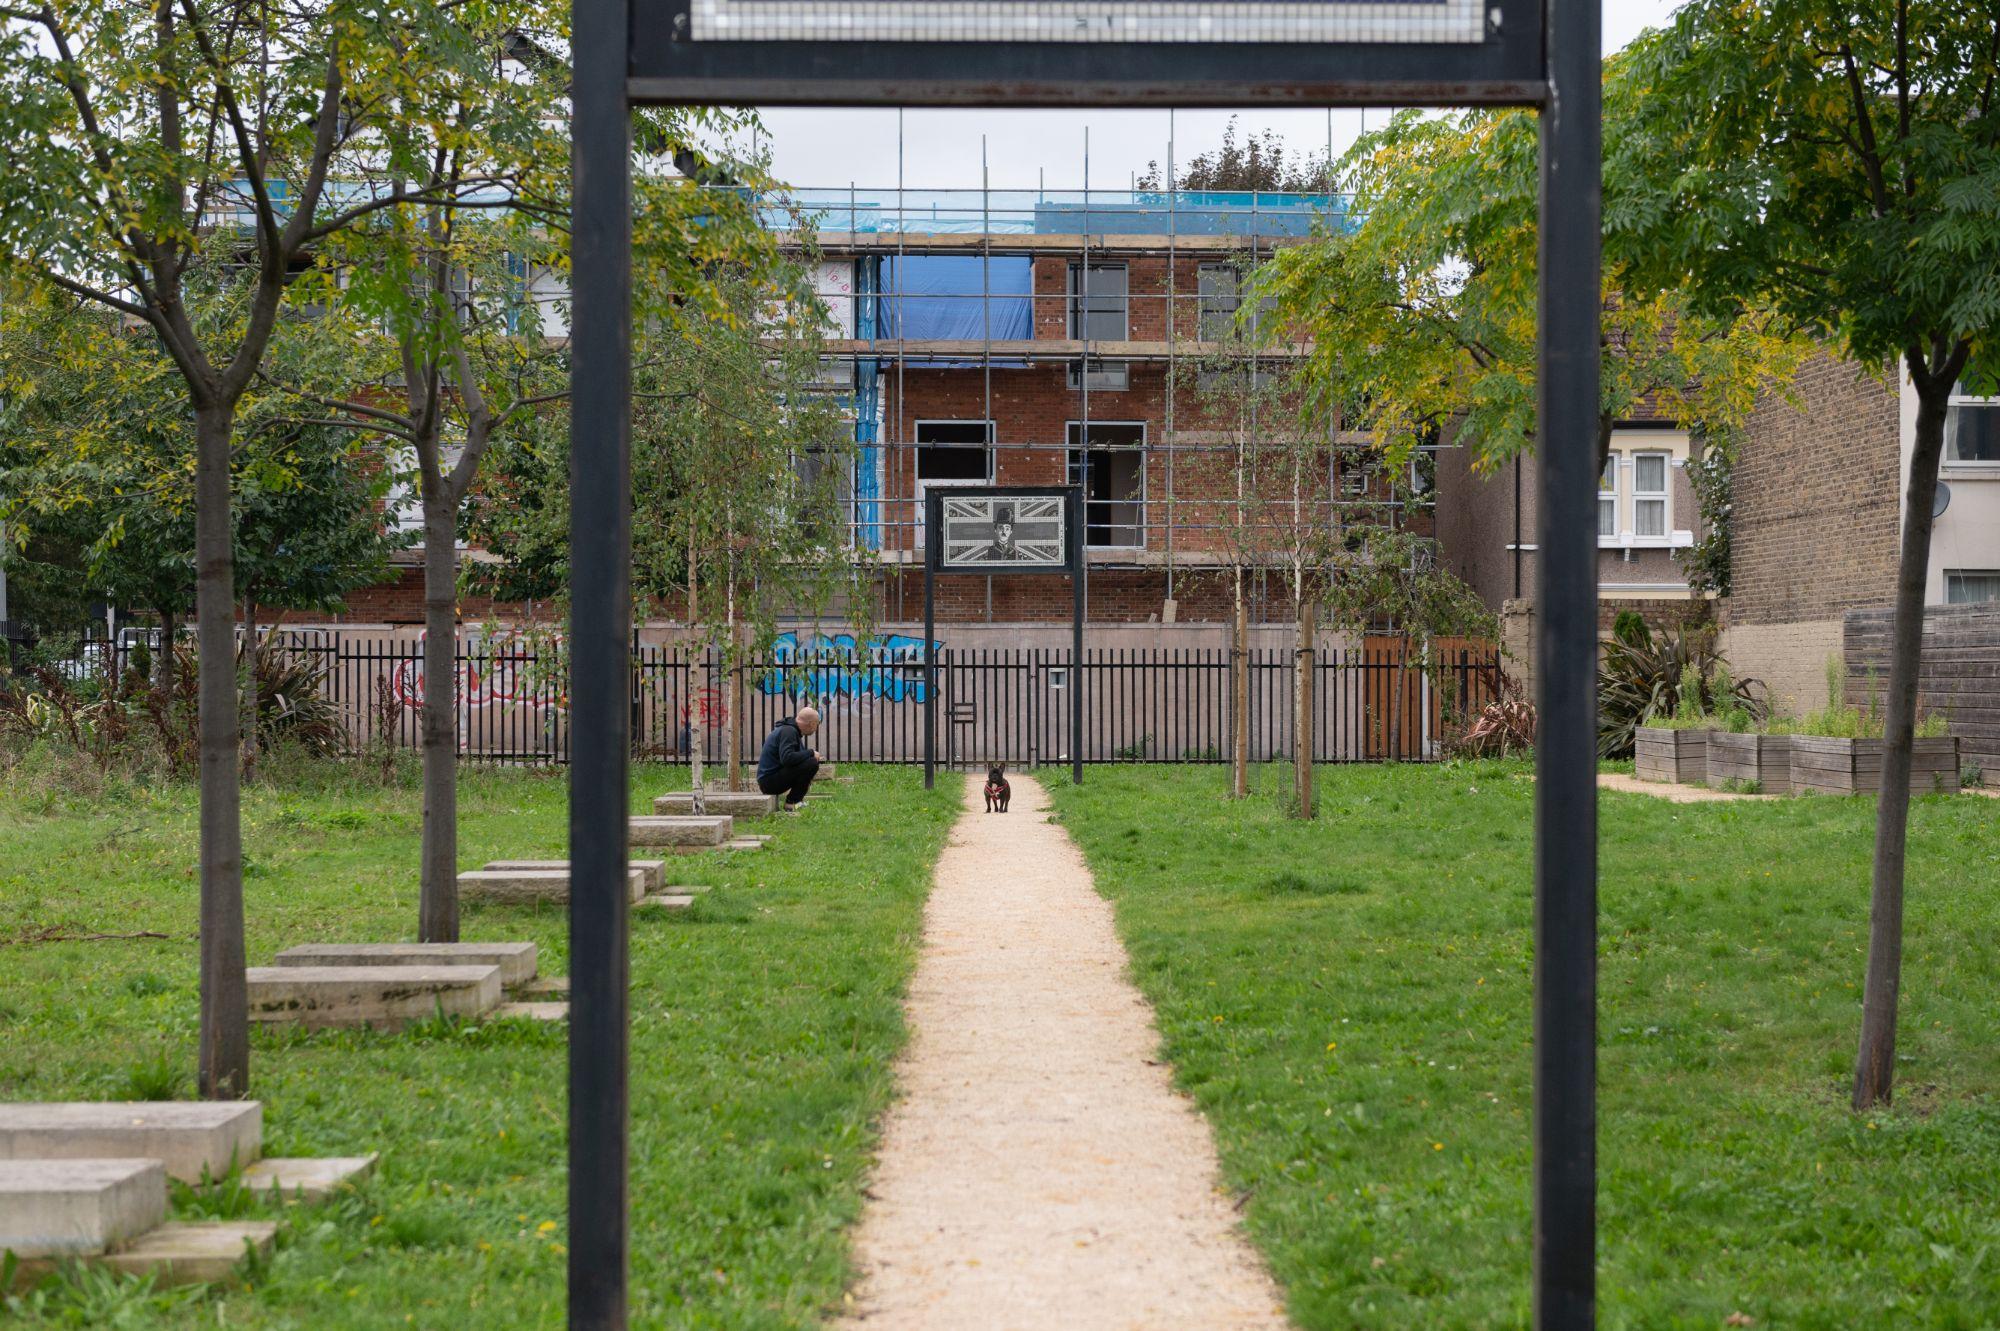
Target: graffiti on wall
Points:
(838, 668)
(501, 672)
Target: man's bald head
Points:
(808, 719)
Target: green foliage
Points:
(1707, 563)
(1423, 319)
(1834, 162)
(1673, 678)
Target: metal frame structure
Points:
(1540, 53)
(1072, 497)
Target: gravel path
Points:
(1039, 1171)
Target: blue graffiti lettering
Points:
(890, 668)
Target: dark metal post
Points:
(1076, 583)
(931, 512)
(601, 632)
(1571, 299)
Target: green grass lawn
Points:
(763, 1022)
(1349, 1002)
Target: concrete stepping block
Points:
(533, 1011)
(308, 1179)
(184, 1253)
(189, 1137)
(654, 871)
(78, 1208)
(386, 997)
(515, 887)
(678, 832)
(735, 803)
(544, 986)
(515, 960)
(667, 901)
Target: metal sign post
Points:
(1540, 53)
(1003, 529)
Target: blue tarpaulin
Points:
(926, 297)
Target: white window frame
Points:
(1982, 466)
(1608, 495)
(1075, 429)
(1664, 496)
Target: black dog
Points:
(998, 792)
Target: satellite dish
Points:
(1942, 502)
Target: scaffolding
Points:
(1193, 246)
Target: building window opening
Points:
(1649, 494)
(1111, 468)
(959, 451)
(1972, 428)
(1971, 586)
(1607, 498)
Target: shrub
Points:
(1503, 727)
(1669, 678)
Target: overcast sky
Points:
(941, 149)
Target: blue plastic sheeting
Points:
(1197, 213)
(926, 297)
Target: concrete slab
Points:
(78, 1208)
(735, 803)
(545, 986)
(386, 997)
(677, 832)
(654, 871)
(514, 887)
(515, 960)
(533, 1011)
(184, 1253)
(667, 901)
(187, 1136)
(307, 1179)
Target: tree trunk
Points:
(732, 770)
(1875, 1067)
(163, 664)
(1239, 679)
(247, 690)
(224, 1052)
(437, 899)
(1302, 727)
(697, 688)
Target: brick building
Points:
(1817, 522)
(1647, 519)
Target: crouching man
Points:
(787, 765)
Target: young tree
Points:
(153, 143)
(1838, 163)
(1422, 318)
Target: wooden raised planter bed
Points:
(1854, 766)
(1678, 756)
(1764, 759)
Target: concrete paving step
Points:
(678, 832)
(307, 1179)
(514, 887)
(78, 1208)
(544, 986)
(543, 1011)
(667, 901)
(515, 960)
(735, 803)
(186, 1252)
(386, 997)
(189, 1137)
(653, 870)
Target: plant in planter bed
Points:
(1640, 683)
(1838, 749)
